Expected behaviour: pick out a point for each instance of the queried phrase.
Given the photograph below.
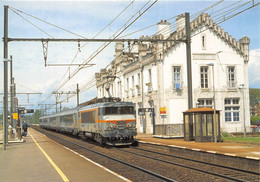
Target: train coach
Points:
(110, 123)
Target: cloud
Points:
(253, 68)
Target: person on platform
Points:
(10, 130)
(25, 127)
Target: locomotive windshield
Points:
(119, 110)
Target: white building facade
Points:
(154, 75)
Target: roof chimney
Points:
(180, 21)
(164, 29)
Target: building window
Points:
(138, 86)
(127, 87)
(232, 110)
(203, 41)
(204, 77)
(150, 76)
(149, 84)
(176, 77)
(205, 103)
(119, 89)
(133, 85)
(231, 77)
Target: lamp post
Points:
(214, 100)
(242, 86)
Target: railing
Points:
(169, 130)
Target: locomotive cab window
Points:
(118, 110)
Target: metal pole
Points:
(188, 54)
(77, 94)
(56, 103)
(5, 99)
(153, 120)
(142, 116)
(214, 100)
(11, 90)
(244, 117)
(91, 40)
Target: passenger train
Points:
(110, 123)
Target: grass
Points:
(242, 139)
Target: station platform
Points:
(41, 159)
(245, 150)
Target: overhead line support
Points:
(91, 40)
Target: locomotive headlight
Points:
(130, 125)
(111, 126)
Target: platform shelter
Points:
(199, 125)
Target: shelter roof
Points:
(196, 110)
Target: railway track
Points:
(140, 174)
(145, 164)
(224, 172)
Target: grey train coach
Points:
(110, 123)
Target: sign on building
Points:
(163, 110)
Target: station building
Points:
(154, 75)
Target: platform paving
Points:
(246, 150)
(26, 162)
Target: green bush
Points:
(225, 134)
(254, 119)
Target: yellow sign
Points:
(15, 116)
(162, 110)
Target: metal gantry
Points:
(45, 42)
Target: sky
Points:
(87, 18)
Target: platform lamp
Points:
(214, 100)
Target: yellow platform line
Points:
(65, 179)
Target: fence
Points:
(169, 130)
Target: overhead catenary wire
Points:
(93, 38)
(192, 16)
(110, 23)
(47, 22)
(220, 20)
(31, 23)
(174, 17)
(102, 48)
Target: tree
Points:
(36, 116)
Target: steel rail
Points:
(188, 167)
(117, 160)
(202, 162)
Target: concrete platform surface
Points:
(41, 159)
(245, 150)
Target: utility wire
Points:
(47, 22)
(31, 23)
(105, 44)
(227, 12)
(99, 51)
(97, 35)
(93, 37)
(193, 16)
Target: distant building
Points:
(154, 75)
